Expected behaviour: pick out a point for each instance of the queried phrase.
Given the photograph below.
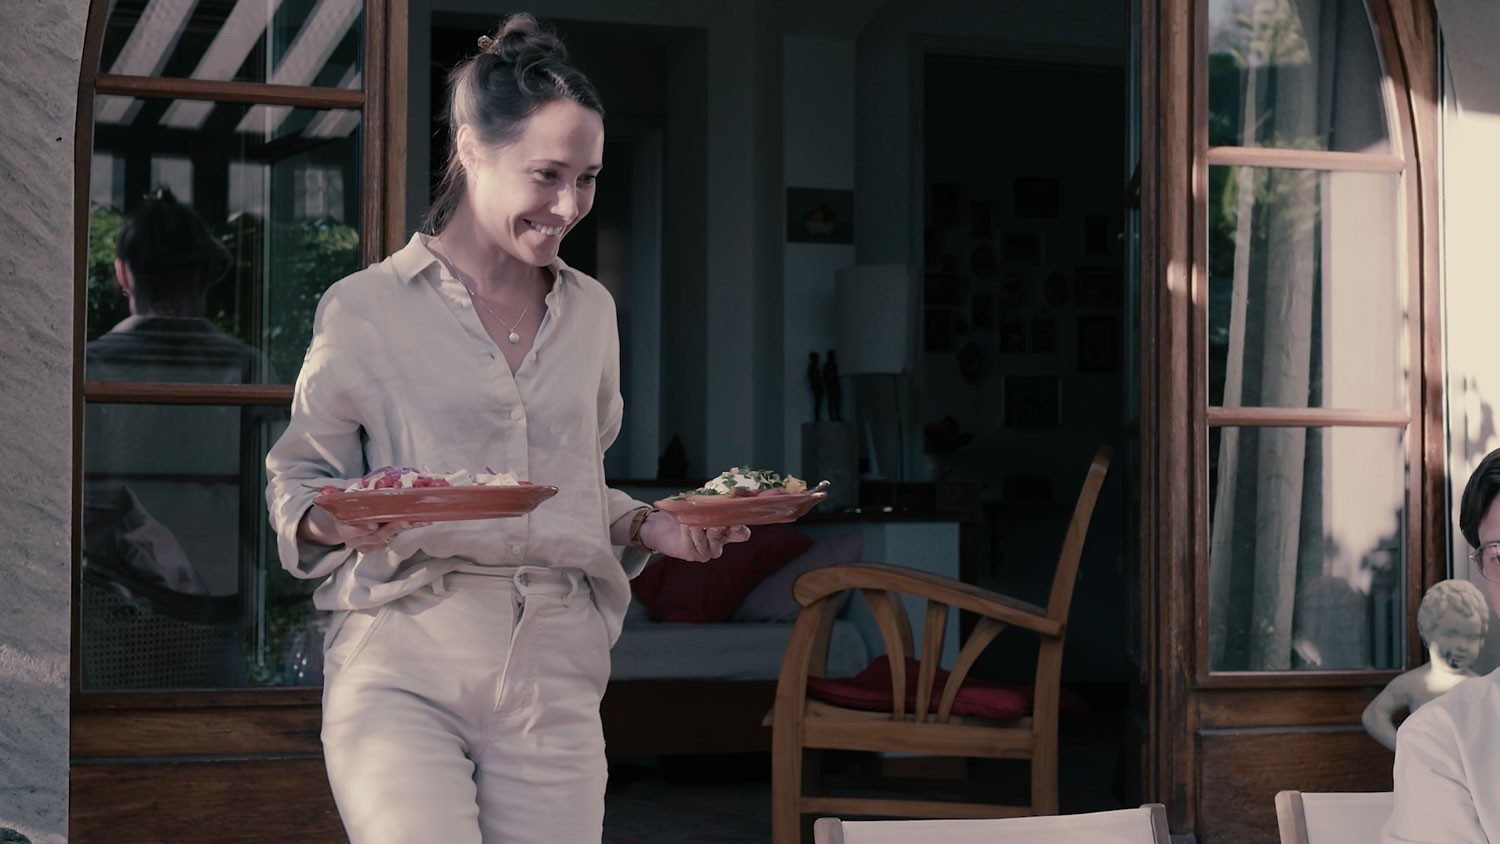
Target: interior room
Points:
(1103, 385)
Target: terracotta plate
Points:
(727, 512)
(435, 504)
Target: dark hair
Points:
(172, 255)
(516, 72)
(1479, 494)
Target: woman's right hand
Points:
(320, 527)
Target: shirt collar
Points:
(411, 260)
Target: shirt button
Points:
(515, 549)
(517, 413)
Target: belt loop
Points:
(439, 586)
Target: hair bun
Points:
(521, 39)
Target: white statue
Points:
(1452, 621)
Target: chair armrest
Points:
(820, 583)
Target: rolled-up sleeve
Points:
(321, 443)
(1433, 802)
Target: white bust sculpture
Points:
(1452, 621)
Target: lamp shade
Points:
(874, 318)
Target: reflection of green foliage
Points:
(1263, 38)
(269, 294)
(106, 302)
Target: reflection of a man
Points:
(162, 508)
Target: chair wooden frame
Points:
(799, 723)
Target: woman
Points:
(464, 673)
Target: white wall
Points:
(40, 46)
(1471, 253)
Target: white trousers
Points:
(468, 712)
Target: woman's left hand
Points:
(661, 532)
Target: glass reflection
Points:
(1300, 74)
(1307, 543)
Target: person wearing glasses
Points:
(1447, 775)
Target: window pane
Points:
(1307, 302)
(1307, 548)
(181, 584)
(284, 42)
(1301, 74)
(224, 286)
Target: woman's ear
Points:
(124, 278)
(468, 147)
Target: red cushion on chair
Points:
(870, 689)
(707, 593)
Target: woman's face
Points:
(528, 194)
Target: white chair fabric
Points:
(1332, 817)
(1144, 825)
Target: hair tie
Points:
(486, 43)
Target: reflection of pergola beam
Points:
(325, 28)
(146, 50)
(336, 123)
(225, 55)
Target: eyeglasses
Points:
(1487, 557)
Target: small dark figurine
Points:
(831, 384)
(815, 380)
(673, 462)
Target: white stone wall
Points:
(41, 42)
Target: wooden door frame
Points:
(1173, 404)
(128, 748)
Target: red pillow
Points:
(871, 689)
(707, 593)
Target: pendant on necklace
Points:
(514, 337)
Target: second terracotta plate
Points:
(727, 512)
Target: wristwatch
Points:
(641, 514)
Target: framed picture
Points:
(1022, 247)
(816, 215)
(982, 310)
(945, 211)
(1055, 289)
(979, 220)
(1099, 288)
(1032, 401)
(1015, 290)
(1044, 335)
(1036, 198)
(1012, 333)
(1096, 234)
(1098, 344)
(942, 289)
(938, 334)
(982, 261)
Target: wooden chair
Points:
(1333, 817)
(800, 723)
(1146, 825)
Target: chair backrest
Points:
(1066, 574)
(1332, 817)
(1145, 825)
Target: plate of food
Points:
(402, 494)
(745, 496)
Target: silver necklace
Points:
(513, 336)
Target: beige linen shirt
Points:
(400, 372)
